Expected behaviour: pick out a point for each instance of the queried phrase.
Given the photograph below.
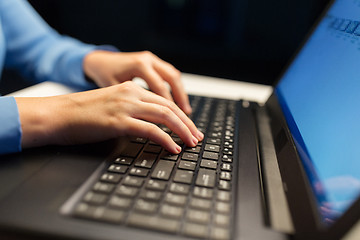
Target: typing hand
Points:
(101, 114)
(110, 68)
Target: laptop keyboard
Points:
(189, 194)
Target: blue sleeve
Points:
(36, 50)
(10, 130)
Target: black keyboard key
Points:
(212, 148)
(217, 129)
(190, 156)
(198, 216)
(110, 177)
(145, 206)
(183, 176)
(99, 213)
(208, 164)
(178, 141)
(154, 223)
(227, 151)
(169, 156)
(163, 170)
(103, 187)
(110, 215)
(175, 199)
(133, 181)
(228, 145)
(226, 167)
(220, 233)
(138, 139)
(179, 188)
(214, 135)
(127, 191)
(203, 192)
(171, 211)
(222, 207)
(193, 149)
(124, 160)
(223, 196)
(145, 160)
(227, 159)
(153, 149)
(210, 155)
(150, 195)
(195, 230)
(229, 133)
(216, 141)
(206, 178)
(156, 185)
(132, 150)
(84, 210)
(117, 168)
(225, 176)
(187, 165)
(200, 203)
(140, 172)
(153, 143)
(201, 124)
(120, 202)
(222, 220)
(224, 185)
(95, 198)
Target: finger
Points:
(156, 83)
(153, 98)
(148, 130)
(164, 115)
(172, 76)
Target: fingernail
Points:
(177, 149)
(200, 135)
(194, 140)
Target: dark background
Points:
(244, 40)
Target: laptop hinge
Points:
(279, 216)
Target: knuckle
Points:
(165, 113)
(147, 53)
(143, 58)
(176, 74)
(127, 87)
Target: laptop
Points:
(284, 170)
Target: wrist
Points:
(36, 121)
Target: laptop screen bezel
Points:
(302, 201)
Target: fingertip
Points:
(200, 135)
(194, 141)
(177, 149)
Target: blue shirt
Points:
(38, 52)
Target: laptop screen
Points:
(319, 95)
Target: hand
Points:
(110, 68)
(97, 115)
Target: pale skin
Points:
(120, 108)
